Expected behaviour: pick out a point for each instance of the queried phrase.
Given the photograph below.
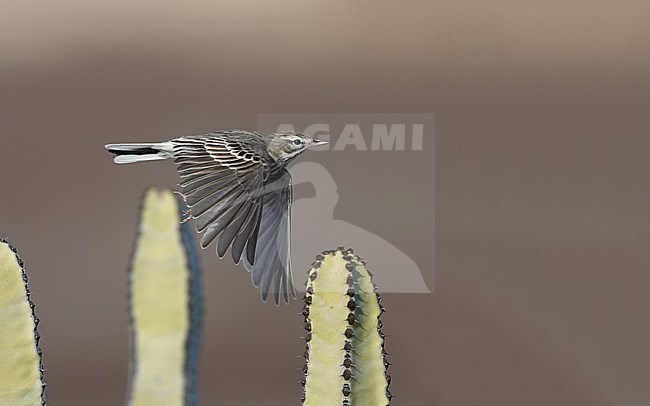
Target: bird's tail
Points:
(129, 153)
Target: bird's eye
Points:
(297, 142)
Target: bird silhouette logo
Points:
(394, 271)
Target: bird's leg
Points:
(187, 215)
(186, 212)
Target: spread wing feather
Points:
(226, 182)
(272, 268)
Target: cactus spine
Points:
(165, 306)
(21, 370)
(345, 361)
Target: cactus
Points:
(21, 369)
(165, 306)
(345, 361)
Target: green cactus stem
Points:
(345, 361)
(165, 306)
(21, 370)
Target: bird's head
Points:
(285, 146)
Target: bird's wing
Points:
(271, 269)
(223, 182)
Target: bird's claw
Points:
(187, 215)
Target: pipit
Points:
(237, 187)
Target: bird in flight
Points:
(237, 187)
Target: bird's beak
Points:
(316, 143)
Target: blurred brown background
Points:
(542, 188)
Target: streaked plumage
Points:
(237, 187)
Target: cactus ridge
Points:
(35, 319)
(339, 284)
